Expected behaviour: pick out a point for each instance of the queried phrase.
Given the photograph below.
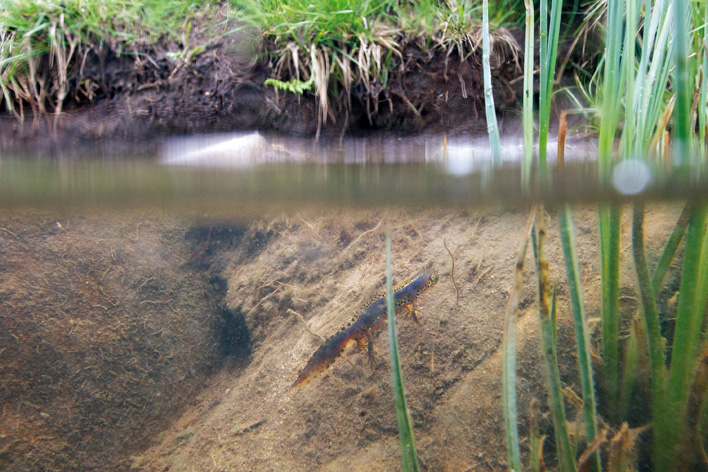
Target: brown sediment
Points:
(126, 371)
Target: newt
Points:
(361, 329)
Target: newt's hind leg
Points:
(370, 350)
(412, 310)
(367, 343)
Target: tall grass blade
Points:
(492, 126)
(405, 425)
(652, 74)
(611, 86)
(703, 104)
(628, 70)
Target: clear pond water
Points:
(156, 310)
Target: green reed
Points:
(549, 30)
(701, 147)
(609, 216)
(653, 60)
(491, 114)
(527, 162)
(686, 343)
(582, 338)
(409, 456)
(509, 352)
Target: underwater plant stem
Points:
(687, 333)
(609, 253)
(511, 419)
(535, 438)
(632, 366)
(582, 340)
(547, 313)
(492, 126)
(670, 249)
(609, 215)
(691, 448)
(656, 342)
(409, 457)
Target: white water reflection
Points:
(631, 177)
(460, 155)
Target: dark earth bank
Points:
(122, 103)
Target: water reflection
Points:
(459, 155)
(231, 173)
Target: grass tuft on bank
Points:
(333, 45)
(56, 50)
(46, 45)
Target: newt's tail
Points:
(324, 356)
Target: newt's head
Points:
(433, 278)
(427, 279)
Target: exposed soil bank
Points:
(137, 98)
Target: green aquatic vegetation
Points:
(701, 33)
(509, 358)
(582, 338)
(549, 30)
(547, 312)
(687, 341)
(682, 133)
(651, 84)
